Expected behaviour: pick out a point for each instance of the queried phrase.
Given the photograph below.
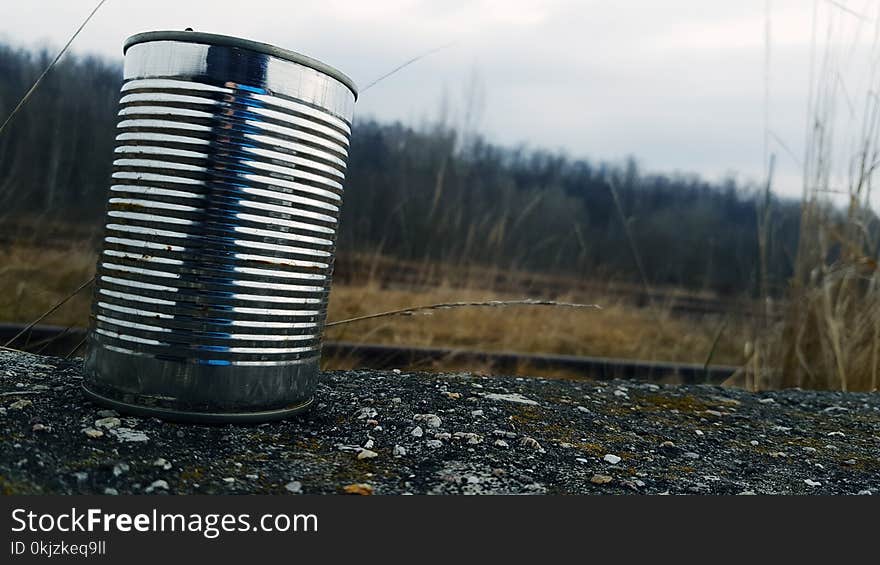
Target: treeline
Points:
(423, 193)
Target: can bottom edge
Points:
(206, 417)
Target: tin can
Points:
(212, 283)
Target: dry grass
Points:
(32, 280)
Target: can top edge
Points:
(230, 41)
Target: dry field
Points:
(34, 279)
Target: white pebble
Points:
(613, 459)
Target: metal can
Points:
(212, 284)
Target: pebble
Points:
(417, 431)
(582, 460)
(443, 436)
(162, 462)
(229, 480)
(610, 458)
(38, 428)
(399, 450)
(252, 477)
(504, 433)
(93, 433)
(699, 432)
(120, 468)
(472, 438)
(753, 442)
(111, 491)
(691, 455)
(396, 400)
(294, 486)
(367, 454)
(81, 476)
(747, 493)
(369, 444)
(160, 484)
(836, 434)
(453, 395)
(501, 443)
(477, 412)
(865, 492)
(850, 462)
(766, 401)
(107, 414)
(20, 404)
(434, 443)
(584, 409)
(812, 483)
(601, 479)
(108, 423)
(129, 435)
(667, 444)
(566, 445)
(514, 397)
(362, 489)
(430, 420)
(366, 413)
(530, 442)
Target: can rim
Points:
(230, 41)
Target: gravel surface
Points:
(390, 433)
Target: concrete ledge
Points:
(391, 433)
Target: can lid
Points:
(230, 41)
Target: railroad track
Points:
(59, 341)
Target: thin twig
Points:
(76, 348)
(45, 72)
(28, 327)
(451, 305)
(403, 65)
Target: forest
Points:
(425, 193)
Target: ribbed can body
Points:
(212, 283)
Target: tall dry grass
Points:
(829, 336)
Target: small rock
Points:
(81, 476)
(850, 462)
(610, 458)
(715, 413)
(111, 491)
(667, 444)
(396, 400)
(228, 480)
(766, 401)
(698, 432)
(20, 404)
(443, 436)
(369, 444)
(504, 433)
(434, 443)
(372, 422)
(399, 451)
(129, 435)
(565, 445)
(367, 454)
(120, 468)
(501, 443)
(252, 477)
(472, 438)
(362, 489)
(162, 462)
(366, 413)
(582, 460)
(836, 434)
(417, 431)
(746, 493)
(476, 413)
(160, 484)
(294, 486)
(107, 414)
(512, 397)
(691, 455)
(453, 395)
(93, 433)
(108, 423)
(753, 442)
(530, 442)
(431, 420)
(810, 449)
(584, 409)
(601, 479)
(812, 483)
(865, 492)
(396, 371)
(38, 428)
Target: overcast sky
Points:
(679, 84)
